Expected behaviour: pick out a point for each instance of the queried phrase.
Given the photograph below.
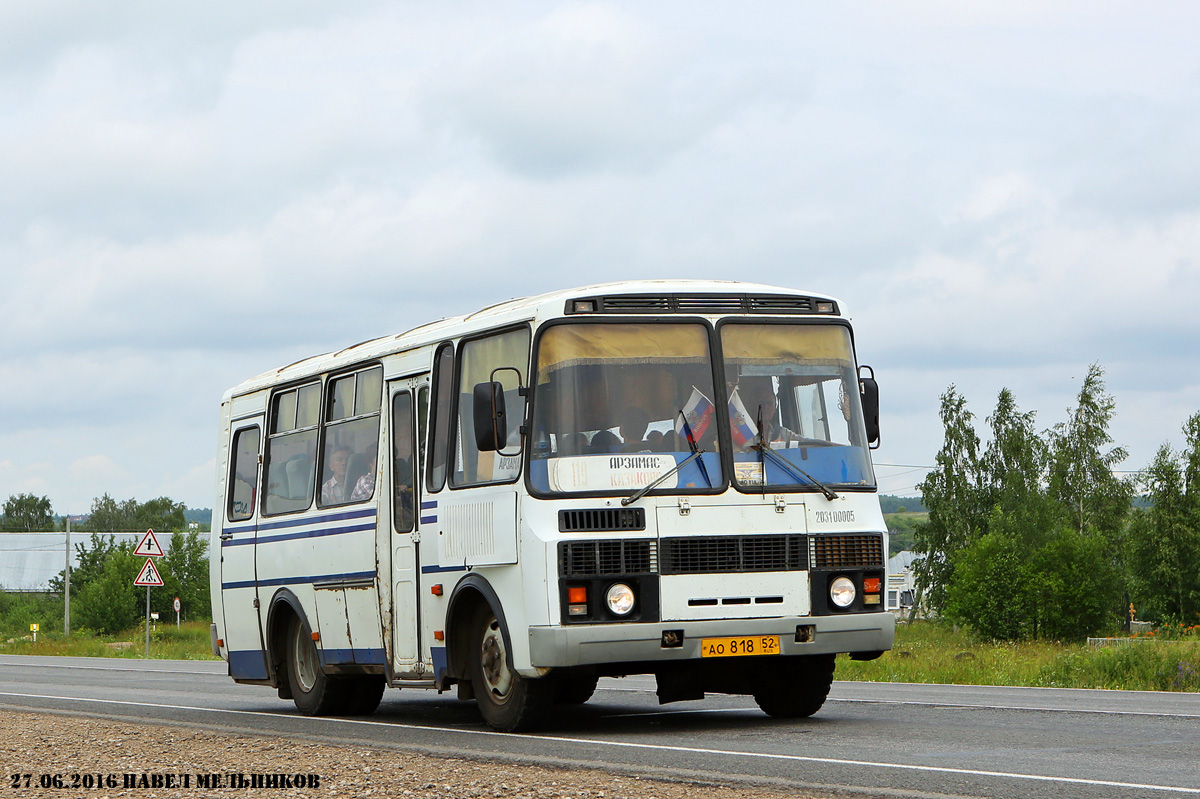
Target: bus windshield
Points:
(618, 406)
(793, 407)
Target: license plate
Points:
(742, 645)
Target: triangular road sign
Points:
(148, 575)
(148, 547)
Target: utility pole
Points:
(67, 584)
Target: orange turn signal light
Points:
(577, 594)
(436, 590)
(871, 585)
(316, 636)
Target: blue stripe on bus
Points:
(317, 533)
(250, 664)
(303, 520)
(362, 657)
(436, 569)
(313, 578)
(429, 503)
(428, 520)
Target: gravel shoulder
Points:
(43, 745)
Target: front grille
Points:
(719, 554)
(705, 304)
(846, 551)
(597, 558)
(601, 520)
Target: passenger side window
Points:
(350, 438)
(243, 474)
(291, 450)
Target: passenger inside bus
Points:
(333, 490)
(633, 429)
(364, 486)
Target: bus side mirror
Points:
(868, 391)
(491, 422)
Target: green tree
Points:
(161, 515)
(951, 492)
(1081, 471)
(1163, 544)
(109, 516)
(184, 571)
(27, 513)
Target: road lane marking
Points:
(594, 742)
(1019, 707)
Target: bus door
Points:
(409, 404)
(239, 537)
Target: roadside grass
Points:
(189, 642)
(930, 652)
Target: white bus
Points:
(652, 477)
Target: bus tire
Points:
(798, 691)
(575, 690)
(507, 701)
(314, 692)
(363, 694)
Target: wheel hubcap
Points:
(306, 660)
(494, 663)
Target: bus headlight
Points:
(842, 592)
(620, 599)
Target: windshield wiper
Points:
(696, 453)
(641, 492)
(765, 451)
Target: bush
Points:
(111, 602)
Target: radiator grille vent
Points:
(846, 551)
(717, 554)
(598, 558)
(601, 520)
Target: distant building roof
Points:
(902, 561)
(28, 561)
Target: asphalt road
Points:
(878, 739)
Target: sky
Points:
(1000, 194)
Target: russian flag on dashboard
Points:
(742, 428)
(698, 411)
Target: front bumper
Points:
(556, 647)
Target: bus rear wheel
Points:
(363, 694)
(314, 692)
(798, 690)
(507, 701)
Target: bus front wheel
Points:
(314, 692)
(798, 690)
(507, 701)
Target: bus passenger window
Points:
(351, 437)
(290, 464)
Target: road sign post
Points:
(33, 628)
(148, 576)
(177, 606)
